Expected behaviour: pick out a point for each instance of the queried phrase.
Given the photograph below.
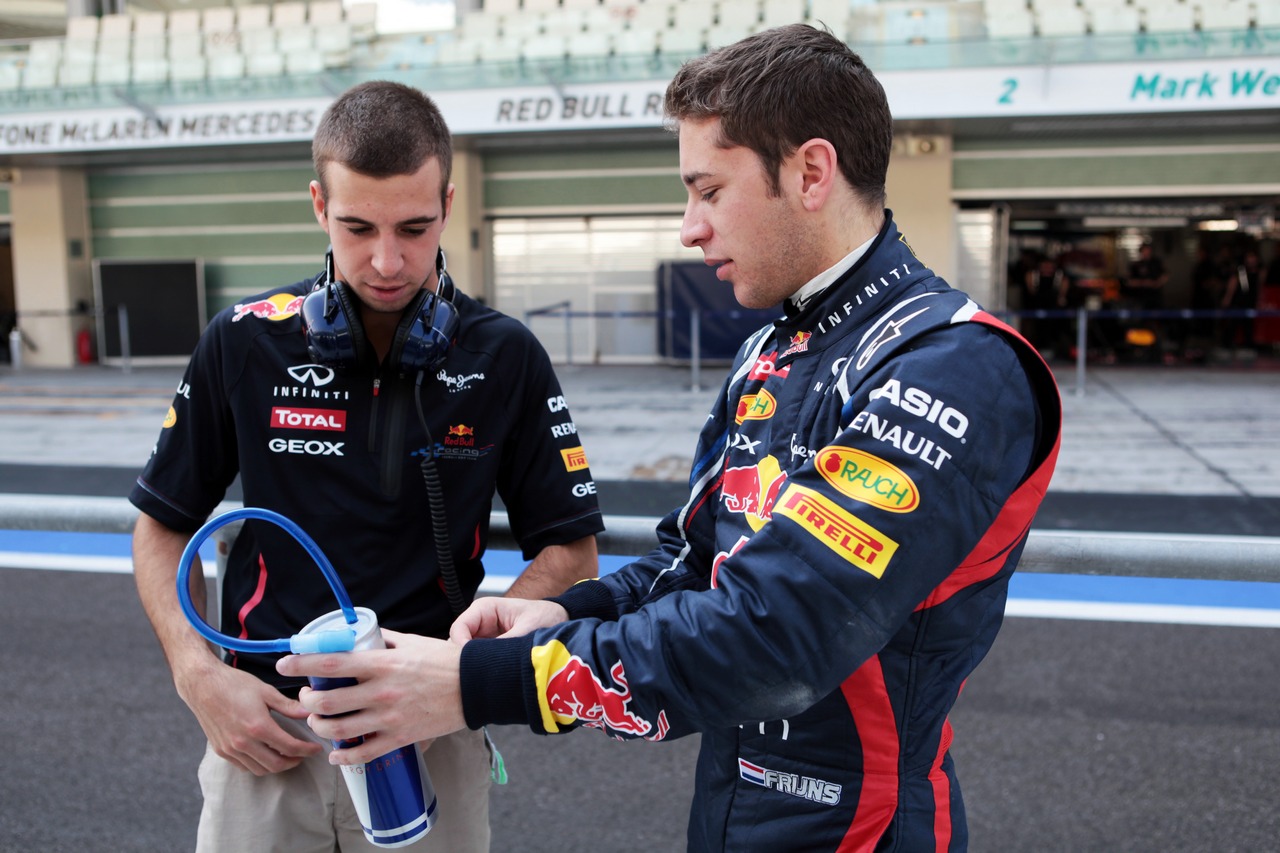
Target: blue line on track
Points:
(1048, 587)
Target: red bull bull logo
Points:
(460, 435)
(575, 694)
(799, 343)
(278, 306)
(752, 490)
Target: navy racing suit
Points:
(859, 498)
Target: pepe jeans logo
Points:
(460, 382)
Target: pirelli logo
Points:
(850, 537)
(575, 458)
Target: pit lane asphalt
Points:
(1073, 735)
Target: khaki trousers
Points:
(308, 808)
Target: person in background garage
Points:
(860, 495)
(309, 393)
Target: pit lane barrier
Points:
(1082, 316)
(1157, 555)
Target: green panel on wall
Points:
(583, 178)
(211, 213)
(246, 213)
(311, 242)
(4, 201)
(582, 158)
(584, 192)
(1181, 168)
(133, 184)
(232, 282)
(964, 144)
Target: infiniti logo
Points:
(310, 379)
(317, 374)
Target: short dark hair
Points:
(380, 129)
(777, 89)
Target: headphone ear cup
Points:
(402, 340)
(332, 327)
(356, 348)
(425, 334)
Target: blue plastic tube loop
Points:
(321, 641)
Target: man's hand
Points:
(408, 692)
(505, 617)
(234, 709)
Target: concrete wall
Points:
(51, 262)
(919, 190)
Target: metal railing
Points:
(1237, 558)
(1082, 317)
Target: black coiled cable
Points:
(436, 509)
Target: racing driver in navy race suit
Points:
(859, 497)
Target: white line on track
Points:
(1033, 608)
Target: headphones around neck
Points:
(336, 338)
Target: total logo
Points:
(766, 366)
(278, 306)
(322, 419)
(304, 447)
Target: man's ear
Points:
(318, 205)
(448, 203)
(817, 170)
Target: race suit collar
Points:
(803, 300)
(887, 266)
(798, 300)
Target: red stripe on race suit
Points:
(868, 701)
(1014, 519)
(941, 792)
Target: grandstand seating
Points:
(1168, 16)
(1226, 15)
(296, 37)
(151, 48)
